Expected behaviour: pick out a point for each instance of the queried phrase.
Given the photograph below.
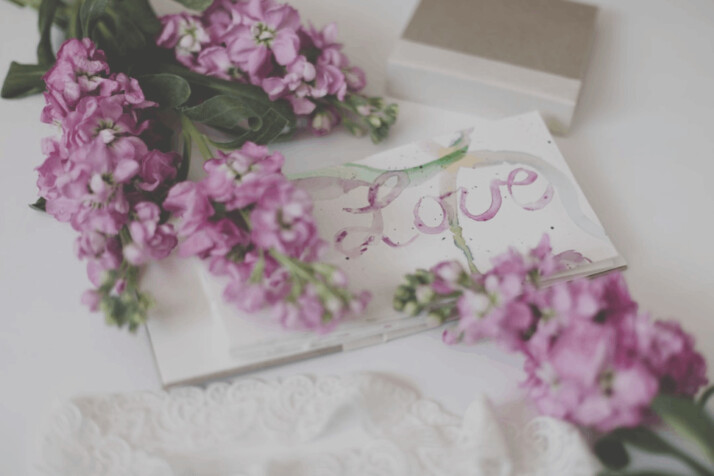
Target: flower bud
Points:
(424, 294)
(412, 308)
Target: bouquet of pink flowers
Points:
(591, 356)
(264, 43)
(106, 176)
(116, 175)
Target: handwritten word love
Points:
(388, 187)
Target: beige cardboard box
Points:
(495, 58)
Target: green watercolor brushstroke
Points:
(458, 235)
(416, 175)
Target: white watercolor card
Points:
(467, 196)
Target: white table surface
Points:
(641, 146)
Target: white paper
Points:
(502, 183)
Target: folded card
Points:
(465, 196)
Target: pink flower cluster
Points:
(101, 176)
(265, 44)
(251, 224)
(591, 356)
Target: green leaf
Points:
(647, 440)
(253, 96)
(39, 205)
(168, 90)
(688, 419)
(642, 438)
(198, 5)
(23, 80)
(611, 452)
(186, 144)
(244, 111)
(141, 14)
(127, 35)
(273, 126)
(117, 35)
(225, 113)
(46, 15)
(89, 13)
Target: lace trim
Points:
(351, 425)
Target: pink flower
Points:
(580, 379)
(214, 61)
(110, 259)
(150, 239)
(298, 74)
(282, 220)
(103, 138)
(189, 202)
(263, 42)
(239, 178)
(108, 218)
(51, 169)
(590, 357)
(604, 300)
(248, 296)
(447, 275)
(669, 353)
(501, 305)
(329, 80)
(130, 92)
(257, 282)
(307, 313)
(355, 77)
(480, 319)
(185, 34)
(268, 31)
(325, 41)
(302, 106)
(546, 263)
(80, 70)
(330, 55)
(297, 85)
(312, 312)
(602, 368)
(214, 238)
(219, 19)
(156, 169)
(91, 299)
(323, 121)
(89, 176)
(91, 244)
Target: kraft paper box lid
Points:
(495, 57)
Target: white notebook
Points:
(468, 195)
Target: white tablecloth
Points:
(641, 145)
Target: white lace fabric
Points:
(361, 425)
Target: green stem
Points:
(692, 463)
(302, 270)
(293, 266)
(197, 137)
(708, 393)
(679, 454)
(258, 270)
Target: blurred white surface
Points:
(641, 147)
